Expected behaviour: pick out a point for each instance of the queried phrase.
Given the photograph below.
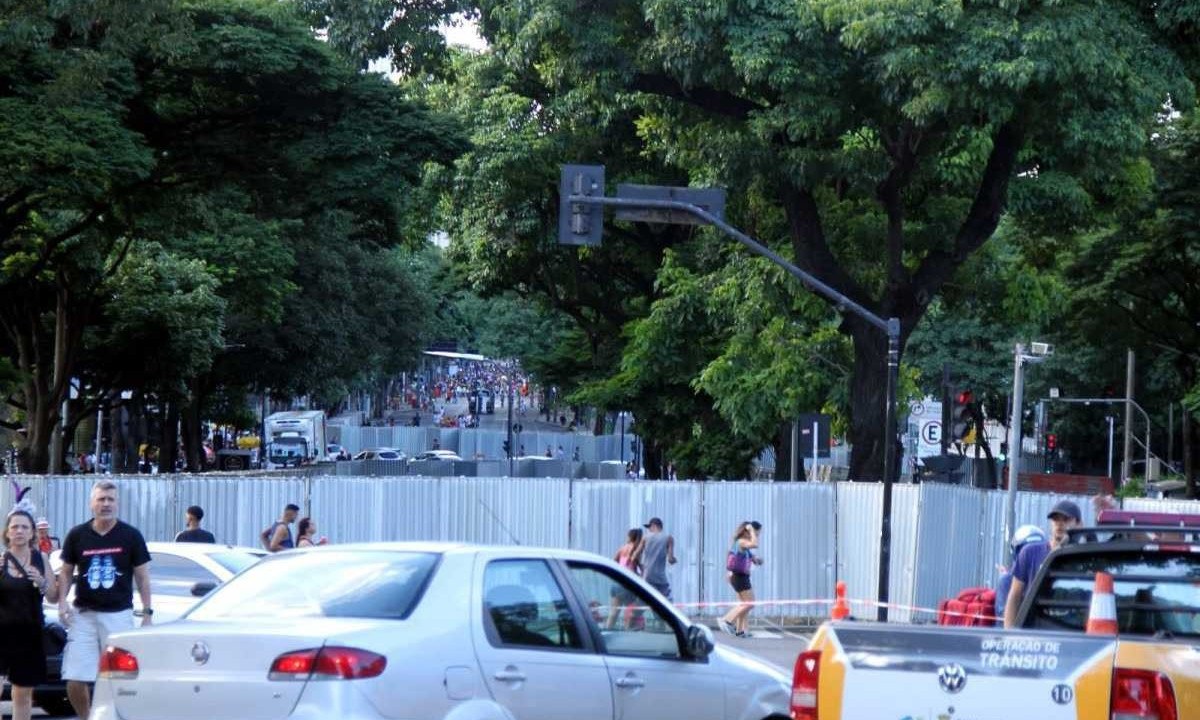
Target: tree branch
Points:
(811, 249)
(718, 102)
(903, 151)
(981, 220)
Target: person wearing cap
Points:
(46, 542)
(1063, 516)
(654, 552)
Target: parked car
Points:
(333, 451)
(180, 575)
(380, 454)
(433, 631)
(437, 455)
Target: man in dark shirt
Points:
(194, 532)
(111, 556)
(1063, 516)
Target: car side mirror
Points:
(700, 641)
(201, 589)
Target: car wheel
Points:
(54, 704)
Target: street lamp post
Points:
(1020, 357)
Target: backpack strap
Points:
(21, 569)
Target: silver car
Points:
(458, 632)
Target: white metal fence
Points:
(944, 537)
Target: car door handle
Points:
(630, 681)
(509, 674)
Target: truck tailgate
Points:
(933, 673)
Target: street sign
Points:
(711, 200)
(580, 224)
(1054, 392)
(925, 422)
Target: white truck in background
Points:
(294, 438)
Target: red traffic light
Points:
(964, 398)
(1051, 441)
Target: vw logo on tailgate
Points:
(200, 653)
(952, 677)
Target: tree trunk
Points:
(189, 420)
(1189, 467)
(868, 391)
(169, 444)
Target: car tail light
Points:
(118, 664)
(330, 663)
(1142, 695)
(804, 685)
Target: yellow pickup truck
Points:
(1048, 668)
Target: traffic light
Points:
(1051, 443)
(507, 449)
(960, 415)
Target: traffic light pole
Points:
(890, 326)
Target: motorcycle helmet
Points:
(1026, 534)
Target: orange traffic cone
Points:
(1102, 617)
(841, 608)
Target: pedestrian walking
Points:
(655, 552)
(1063, 516)
(278, 535)
(623, 599)
(111, 557)
(738, 563)
(194, 533)
(24, 581)
(306, 534)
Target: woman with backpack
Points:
(739, 561)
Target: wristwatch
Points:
(144, 612)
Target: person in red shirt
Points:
(45, 541)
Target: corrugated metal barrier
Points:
(944, 538)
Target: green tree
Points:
(224, 132)
(889, 134)
(1138, 284)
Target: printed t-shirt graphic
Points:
(104, 564)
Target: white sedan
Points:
(457, 632)
(182, 573)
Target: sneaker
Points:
(742, 634)
(726, 626)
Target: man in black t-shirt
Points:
(111, 557)
(194, 532)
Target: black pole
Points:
(889, 465)
(510, 432)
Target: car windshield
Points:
(234, 561)
(356, 584)
(1157, 593)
